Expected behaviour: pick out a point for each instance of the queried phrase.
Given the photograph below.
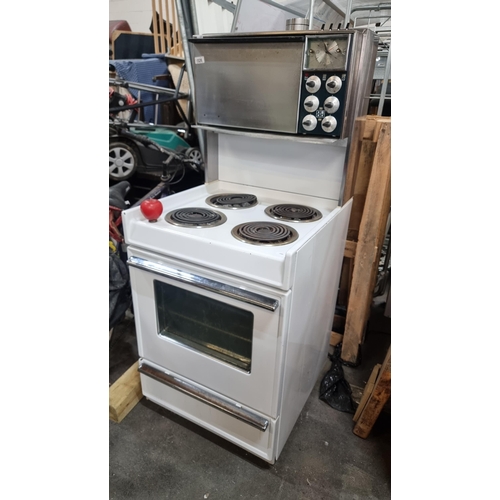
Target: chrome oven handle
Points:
(206, 396)
(205, 283)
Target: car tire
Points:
(123, 161)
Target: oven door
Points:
(212, 329)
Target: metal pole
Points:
(311, 14)
(182, 7)
(379, 7)
(194, 17)
(384, 85)
(348, 13)
(143, 86)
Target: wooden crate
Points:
(368, 183)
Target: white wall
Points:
(138, 13)
(212, 18)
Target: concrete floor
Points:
(155, 454)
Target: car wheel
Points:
(122, 161)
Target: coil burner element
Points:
(293, 213)
(233, 201)
(265, 233)
(195, 217)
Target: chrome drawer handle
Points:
(205, 283)
(206, 396)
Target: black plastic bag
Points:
(334, 388)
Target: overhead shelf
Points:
(271, 135)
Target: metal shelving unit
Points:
(378, 18)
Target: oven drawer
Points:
(244, 427)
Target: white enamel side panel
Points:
(296, 167)
(257, 389)
(319, 264)
(258, 442)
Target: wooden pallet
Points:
(124, 394)
(368, 183)
(376, 394)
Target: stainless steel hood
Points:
(268, 82)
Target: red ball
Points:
(151, 209)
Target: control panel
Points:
(322, 102)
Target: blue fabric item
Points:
(143, 71)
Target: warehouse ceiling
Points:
(363, 12)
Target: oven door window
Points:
(205, 324)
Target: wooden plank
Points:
(352, 162)
(124, 394)
(175, 70)
(367, 392)
(368, 247)
(356, 393)
(155, 26)
(345, 283)
(379, 397)
(358, 175)
(175, 23)
(169, 29)
(335, 338)
(350, 249)
(365, 163)
(373, 126)
(163, 49)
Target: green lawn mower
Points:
(137, 148)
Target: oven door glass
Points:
(205, 324)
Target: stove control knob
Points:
(309, 122)
(311, 103)
(313, 83)
(329, 124)
(333, 84)
(331, 104)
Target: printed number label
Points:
(199, 60)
